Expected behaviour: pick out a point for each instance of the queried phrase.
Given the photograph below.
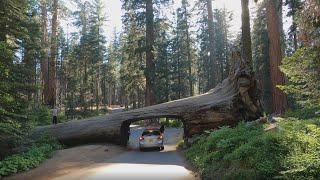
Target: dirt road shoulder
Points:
(70, 161)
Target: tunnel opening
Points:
(131, 130)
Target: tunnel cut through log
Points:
(125, 127)
(235, 99)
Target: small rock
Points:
(272, 128)
(106, 150)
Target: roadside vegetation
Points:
(167, 122)
(43, 115)
(172, 123)
(34, 152)
(20, 152)
(248, 152)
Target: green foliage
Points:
(41, 115)
(247, 152)
(182, 55)
(302, 70)
(11, 128)
(212, 67)
(181, 144)
(302, 138)
(42, 149)
(19, 35)
(85, 58)
(303, 113)
(308, 22)
(132, 63)
(302, 67)
(10, 134)
(174, 123)
(243, 152)
(12, 85)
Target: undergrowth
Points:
(247, 152)
(41, 149)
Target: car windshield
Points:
(150, 133)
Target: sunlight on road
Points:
(134, 164)
(140, 171)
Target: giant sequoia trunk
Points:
(246, 35)
(150, 65)
(44, 56)
(275, 54)
(233, 100)
(50, 98)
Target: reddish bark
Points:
(275, 53)
(150, 65)
(44, 42)
(51, 96)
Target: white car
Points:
(151, 138)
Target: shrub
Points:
(42, 149)
(247, 152)
(302, 70)
(302, 138)
(303, 113)
(41, 116)
(240, 152)
(11, 132)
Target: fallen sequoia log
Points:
(235, 99)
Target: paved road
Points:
(131, 165)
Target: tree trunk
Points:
(51, 98)
(98, 88)
(150, 65)
(29, 63)
(179, 76)
(191, 91)
(295, 40)
(246, 34)
(275, 53)
(44, 58)
(214, 76)
(234, 100)
(227, 68)
(279, 8)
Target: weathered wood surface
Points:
(233, 100)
